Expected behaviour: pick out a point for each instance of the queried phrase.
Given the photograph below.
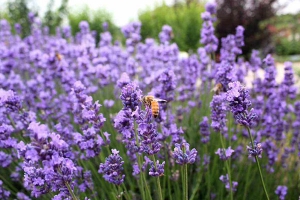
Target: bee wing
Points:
(160, 100)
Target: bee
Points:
(218, 88)
(58, 56)
(152, 102)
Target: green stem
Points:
(141, 177)
(71, 191)
(247, 183)
(10, 186)
(186, 192)
(127, 197)
(68, 186)
(157, 181)
(227, 169)
(197, 185)
(258, 165)
(182, 181)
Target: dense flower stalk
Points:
(256, 151)
(112, 169)
(218, 113)
(183, 155)
(238, 98)
(287, 87)
(204, 130)
(207, 33)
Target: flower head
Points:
(156, 169)
(256, 151)
(281, 191)
(183, 155)
(224, 153)
(238, 98)
(204, 130)
(130, 96)
(218, 112)
(112, 169)
(225, 180)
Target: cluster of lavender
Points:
(54, 130)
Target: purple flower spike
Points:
(256, 151)
(22, 196)
(10, 101)
(4, 194)
(255, 61)
(166, 34)
(112, 169)
(281, 191)
(287, 87)
(123, 81)
(238, 98)
(149, 142)
(183, 155)
(224, 154)
(211, 7)
(239, 36)
(156, 169)
(130, 96)
(204, 130)
(225, 180)
(207, 33)
(218, 112)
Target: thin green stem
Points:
(227, 169)
(71, 191)
(10, 186)
(186, 188)
(157, 181)
(258, 165)
(247, 183)
(182, 181)
(141, 177)
(197, 185)
(68, 186)
(126, 194)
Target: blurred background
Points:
(272, 26)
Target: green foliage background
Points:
(95, 18)
(184, 19)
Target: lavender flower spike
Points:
(224, 154)
(4, 194)
(204, 130)
(256, 151)
(225, 180)
(281, 191)
(112, 169)
(156, 169)
(238, 98)
(184, 155)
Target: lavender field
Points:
(73, 124)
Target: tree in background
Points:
(54, 18)
(184, 18)
(18, 11)
(95, 18)
(286, 29)
(249, 14)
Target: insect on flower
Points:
(58, 56)
(153, 103)
(218, 88)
